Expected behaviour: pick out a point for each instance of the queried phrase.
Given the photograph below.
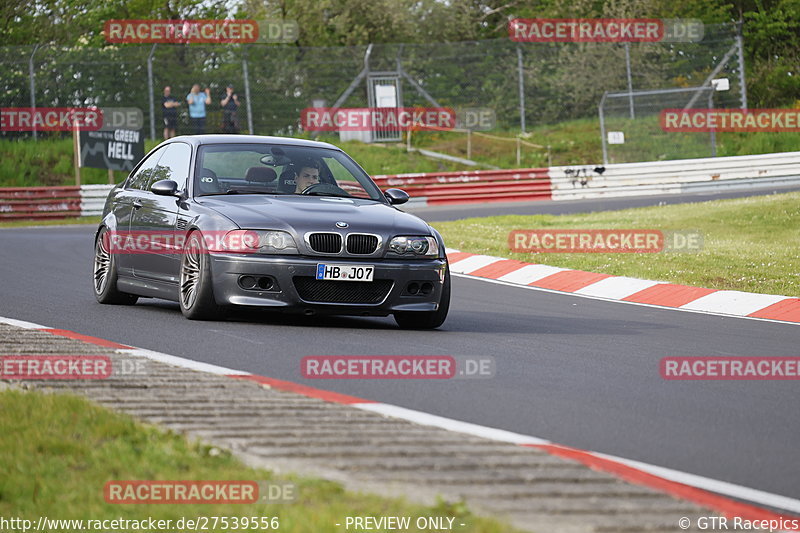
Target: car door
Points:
(156, 216)
(124, 206)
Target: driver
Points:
(307, 176)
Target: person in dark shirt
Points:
(169, 109)
(230, 108)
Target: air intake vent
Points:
(342, 292)
(361, 244)
(325, 243)
(182, 223)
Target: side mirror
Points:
(165, 188)
(396, 196)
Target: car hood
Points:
(301, 214)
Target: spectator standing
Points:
(169, 110)
(197, 108)
(230, 111)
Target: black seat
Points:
(208, 183)
(260, 175)
(286, 183)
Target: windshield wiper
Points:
(328, 194)
(248, 191)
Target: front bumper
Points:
(389, 292)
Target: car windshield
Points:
(280, 169)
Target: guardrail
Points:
(674, 177)
(479, 186)
(474, 186)
(39, 202)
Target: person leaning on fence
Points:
(230, 108)
(197, 108)
(169, 105)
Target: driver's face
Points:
(306, 178)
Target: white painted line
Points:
(712, 485)
(184, 363)
(471, 264)
(530, 273)
(22, 323)
(733, 302)
(617, 287)
(425, 419)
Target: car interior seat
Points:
(208, 183)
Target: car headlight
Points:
(415, 246)
(259, 241)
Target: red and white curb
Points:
(628, 290)
(728, 499)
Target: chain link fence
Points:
(525, 84)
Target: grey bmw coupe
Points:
(220, 221)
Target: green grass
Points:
(49, 222)
(57, 451)
(750, 244)
(577, 142)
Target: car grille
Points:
(361, 244)
(342, 292)
(325, 243)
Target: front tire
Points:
(105, 274)
(427, 319)
(196, 293)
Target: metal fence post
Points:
(630, 80)
(521, 91)
(603, 128)
(740, 49)
(246, 74)
(150, 91)
(713, 131)
(33, 85)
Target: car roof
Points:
(199, 140)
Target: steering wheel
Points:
(325, 188)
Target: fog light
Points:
(427, 288)
(265, 283)
(413, 288)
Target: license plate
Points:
(345, 272)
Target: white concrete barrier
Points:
(671, 177)
(93, 198)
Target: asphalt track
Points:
(577, 371)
